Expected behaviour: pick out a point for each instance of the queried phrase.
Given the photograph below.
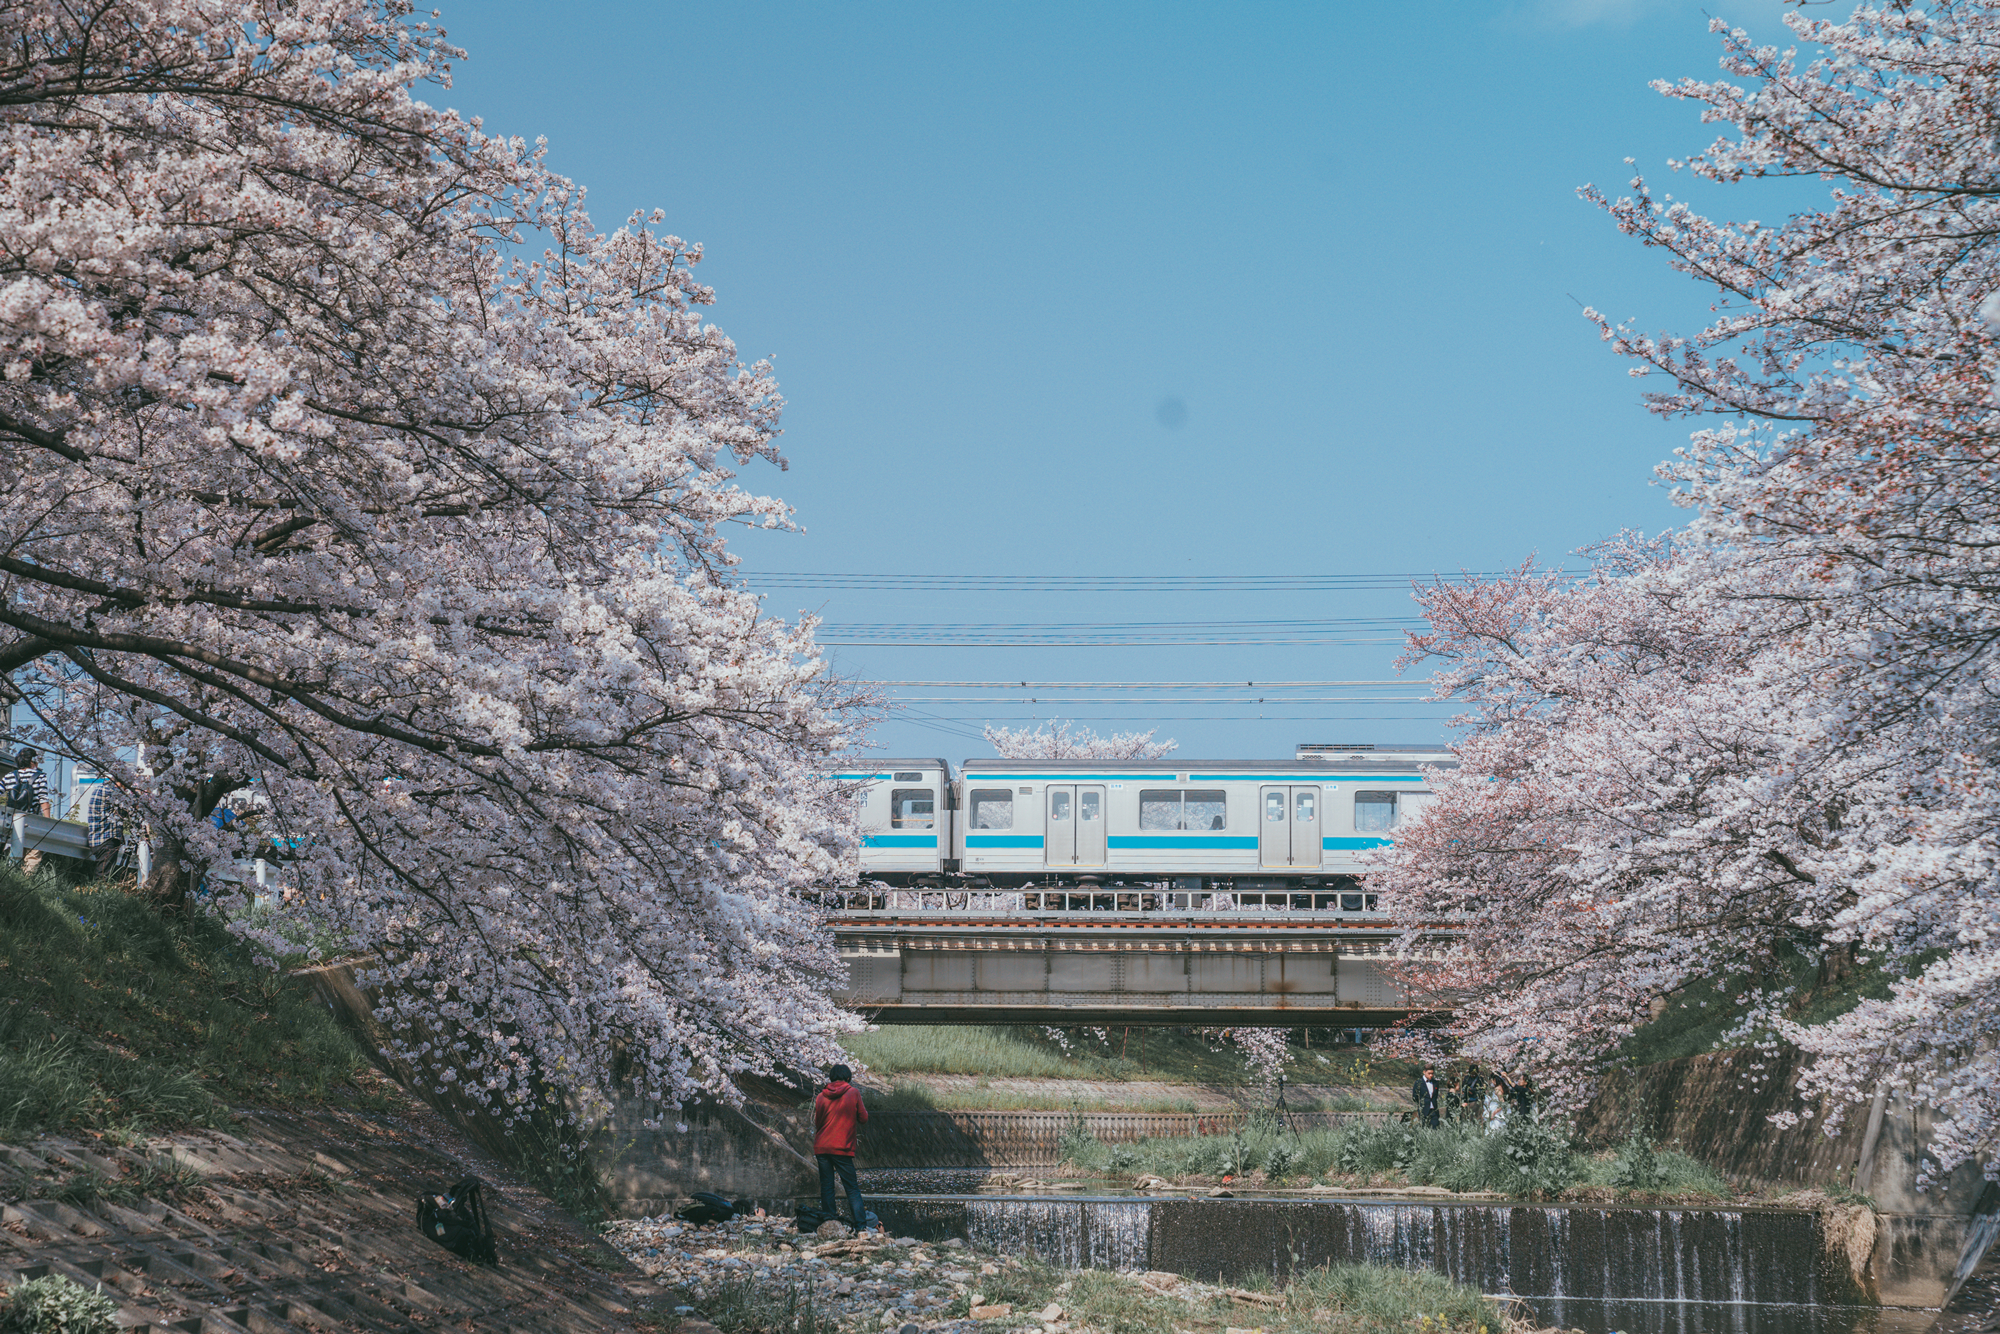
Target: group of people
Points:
(1474, 1097)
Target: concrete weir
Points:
(1645, 1271)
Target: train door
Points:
(1306, 841)
(1288, 827)
(1089, 826)
(1075, 830)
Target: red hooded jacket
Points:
(837, 1116)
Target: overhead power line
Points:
(1106, 634)
(1133, 685)
(1106, 583)
(1175, 703)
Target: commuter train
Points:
(1120, 835)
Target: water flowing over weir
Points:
(1644, 1271)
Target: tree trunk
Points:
(170, 885)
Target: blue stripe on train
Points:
(1183, 841)
(899, 840)
(1352, 844)
(1003, 841)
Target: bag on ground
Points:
(709, 1207)
(458, 1222)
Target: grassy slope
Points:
(1705, 1016)
(115, 1018)
(1140, 1055)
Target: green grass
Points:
(114, 1017)
(1522, 1159)
(1159, 1055)
(1361, 1299)
(1703, 1016)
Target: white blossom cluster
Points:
(1062, 740)
(1776, 738)
(342, 455)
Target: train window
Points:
(908, 776)
(1160, 810)
(1089, 805)
(992, 808)
(1059, 803)
(912, 808)
(1274, 807)
(1374, 812)
(1168, 808)
(1304, 807)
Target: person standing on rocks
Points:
(838, 1113)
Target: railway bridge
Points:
(1289, 969)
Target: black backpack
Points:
(458, 1222)
(21, 790)
(809, 1218)
(709, 1207)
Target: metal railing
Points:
(1125, 903)
(71, 838)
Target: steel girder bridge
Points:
(1212, 969)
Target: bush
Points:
(1635, 1166)
(56, 1305)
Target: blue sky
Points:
(1152, 290)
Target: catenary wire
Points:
(1111, 583)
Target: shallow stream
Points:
(1596, 1268)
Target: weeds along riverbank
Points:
(1523, 1157)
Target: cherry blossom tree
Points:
(1612, 833)
(344, 455)
(1061, 741)
(1843, 509)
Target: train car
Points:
(906, 821)
(1144, 833)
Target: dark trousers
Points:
(841, 1165)
(1429, 1115)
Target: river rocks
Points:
(1000, 1312)
(867, 1284)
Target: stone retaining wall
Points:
(1033, 1139)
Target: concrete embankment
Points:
(1718, 1107)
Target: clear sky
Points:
(1093, 290)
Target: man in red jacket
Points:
(837, 1118)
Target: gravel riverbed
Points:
(759, 1274)
(867, 1282)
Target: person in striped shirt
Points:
(27, 789)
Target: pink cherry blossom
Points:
(344, 455)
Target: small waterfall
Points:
(1645, 1271)
(1077, 1234)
